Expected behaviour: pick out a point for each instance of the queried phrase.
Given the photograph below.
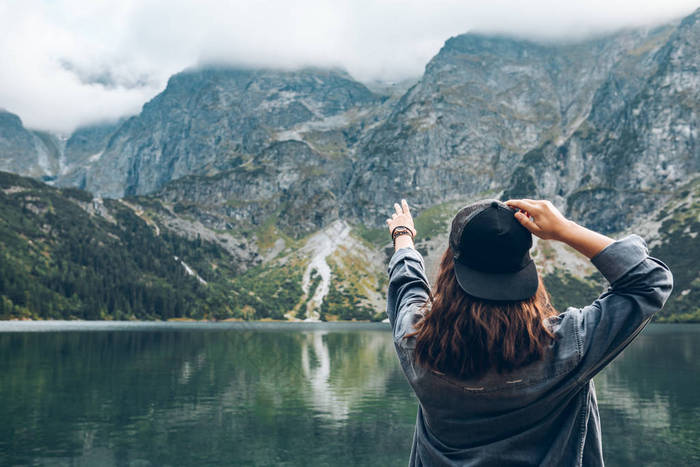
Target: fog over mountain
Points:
(70, 63)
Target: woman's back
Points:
(543, 413)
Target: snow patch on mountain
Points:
(318, 248)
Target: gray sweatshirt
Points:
(546, 412)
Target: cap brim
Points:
(513, 286)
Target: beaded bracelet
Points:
(401, 230)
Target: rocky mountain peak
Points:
(9, 120)
(213, 119)
(25, 151)
(491, 113)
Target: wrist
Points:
(585, 241)
(568, 232)
(403, 241)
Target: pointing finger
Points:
(398, 208)
(404, 205)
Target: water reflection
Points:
(286, 395)
(355, 374)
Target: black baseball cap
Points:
(492, 252)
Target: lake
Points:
(140, 394)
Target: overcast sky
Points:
(65, 63)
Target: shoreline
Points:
(238, 320)
(18, 326)
(10, 326)
(186, 320)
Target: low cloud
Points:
(67, 63)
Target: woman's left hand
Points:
(401, 216)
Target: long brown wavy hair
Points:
(463, 336)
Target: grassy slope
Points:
(61, 260)
(674, 238)
(676, 242)
(679, 247)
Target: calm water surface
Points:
(283, 394)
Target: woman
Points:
(501, 377)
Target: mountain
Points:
(67, 255)
(298, 169)
(485, 108)
(84, 148)
(32, 153)
(207, 121)
(638, 144)
(47, 156)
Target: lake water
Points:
(283, 394)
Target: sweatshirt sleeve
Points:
(408, 290)
(639, 287)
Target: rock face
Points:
(638, 143)
(27, 152)
(83, 149)
(487, 107)
(212, 120)
(50, 157)
(289, 183)
(593, 125)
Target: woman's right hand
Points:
(544, 220)
(541, 218)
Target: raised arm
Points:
(408, 285)
(639, 285)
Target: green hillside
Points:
(679, 248)
(64, 256)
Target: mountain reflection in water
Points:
(283, 394)
(338, 386)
